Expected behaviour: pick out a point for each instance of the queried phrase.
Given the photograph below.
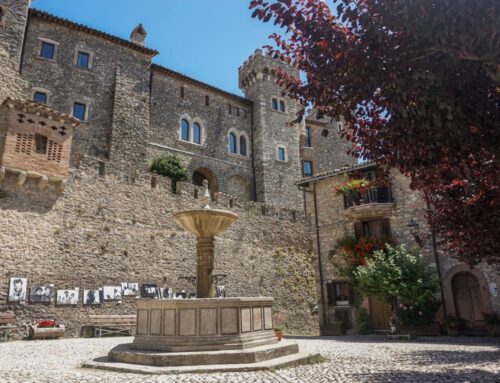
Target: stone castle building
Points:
(82, 112)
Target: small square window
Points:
(40, 144)
(79, 111)
(281, 154)
(48, 50)
(40, 97)
(83, 60)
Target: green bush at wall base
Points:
(171, 167)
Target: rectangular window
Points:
(83, 60)
(79, 111)
(40, 144)
(207, 101)
(282, 106)
(48, 50)
(281, 154)
(40, 97)
(230, 109)
(182, 92)
(307, 144)
(238, 111)
(307, 168)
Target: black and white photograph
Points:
(91, 297)
(67, 297)
(112, 293)
(166, 293)
(41, 294)
(130, 289)
(18, 289)
(149, 290)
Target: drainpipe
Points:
(436, 256)
(324, 307)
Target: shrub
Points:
(402, 278)
(171, 167)
(363, 323)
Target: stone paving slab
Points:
(353, 359)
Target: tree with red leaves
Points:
(417, 86)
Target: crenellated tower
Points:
(276, 138)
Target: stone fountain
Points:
(205, 333)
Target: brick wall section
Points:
(15, 153)
(104, 231)
(328, 150)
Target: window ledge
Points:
(278, 111)
(308, 147)
(45, 59)
(240, 156)
(189, 143)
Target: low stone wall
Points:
(107, 229)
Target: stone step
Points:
(270, 364)
(125, 354)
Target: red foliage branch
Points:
(417, 86)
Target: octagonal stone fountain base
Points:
(190, 335)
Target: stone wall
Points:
(104, 230)
(224, 113)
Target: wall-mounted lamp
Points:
(414, 226)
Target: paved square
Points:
(349, 359)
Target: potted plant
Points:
(452, 325)
(279, 333)
(492, 321)
(354, 189)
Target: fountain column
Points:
(205, 265)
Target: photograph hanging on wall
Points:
(112, 293)
(18, 289)
(149, 290)
(41, 294)
(92, 297)
(67, 297)
(130, 289)
(166, 293)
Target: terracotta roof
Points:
(34, 107)
(193, 81)
(334, 172)
(80, 27)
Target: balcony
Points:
(377, 202)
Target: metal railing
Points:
(375, 195)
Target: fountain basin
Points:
(205, 222)
(208, 324)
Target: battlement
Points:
(89, 167)
(261, 67)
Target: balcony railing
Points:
(375, 195)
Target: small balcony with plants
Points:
(366, 198)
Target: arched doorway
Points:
(467, 298)
(201, 174)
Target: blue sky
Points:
(204, 39)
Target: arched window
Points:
(184, 130)
(232, 142)
(196, 133)
(243, 146)
(275, 104)
(282, 106)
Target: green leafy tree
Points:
(171, 167)
(403, 279)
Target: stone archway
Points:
(201, 174)
(466, 293)
(238, 187)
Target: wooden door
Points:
(467, 297)
(380, 313)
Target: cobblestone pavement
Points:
(349, 359)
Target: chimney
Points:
(138, 35)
